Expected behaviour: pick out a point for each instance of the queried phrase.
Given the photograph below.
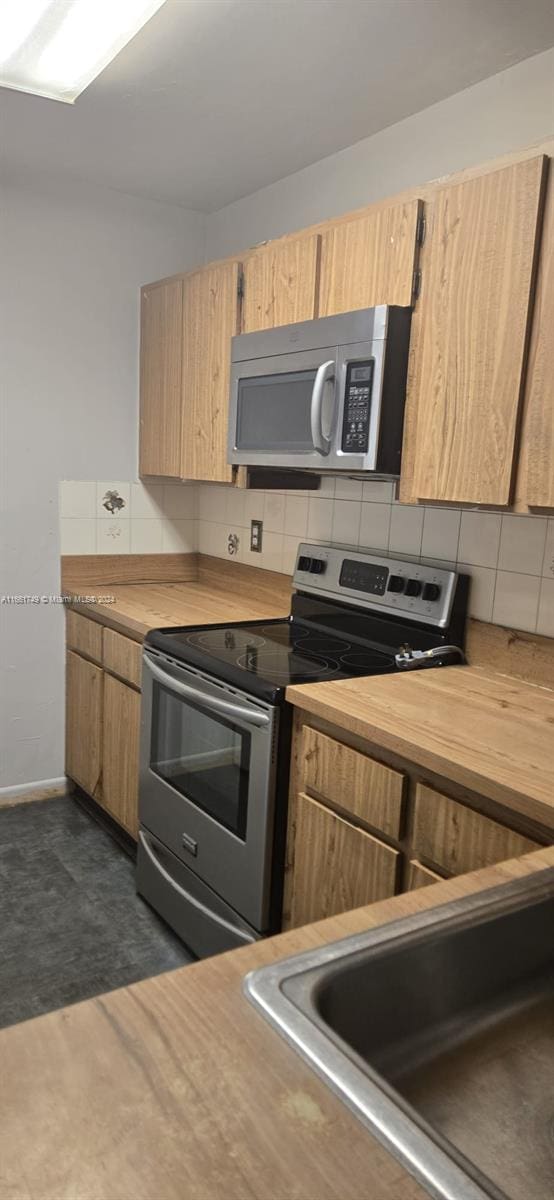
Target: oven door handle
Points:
(202, 908)
(324, 374)
(251, 715)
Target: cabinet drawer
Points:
(337, 867)
(123, 656)
(420, 876)
(459, 839)
(352, 781)
(84, 636)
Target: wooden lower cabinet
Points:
(83, 723)
(458, 839)
(419, 876)
(337, 866)
(121, 728)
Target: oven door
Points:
(207, 781)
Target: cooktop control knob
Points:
(431, 591)
(304, 563)
(396, 584)
(318, 566)
(413, 587)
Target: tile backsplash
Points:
(121, 517)
(510, 557)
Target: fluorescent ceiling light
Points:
(55, 48)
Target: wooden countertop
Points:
(216, 591)
(489, 733)
(176, 1087)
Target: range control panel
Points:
(357, 407)
(391, 585)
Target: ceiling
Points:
(214, 99)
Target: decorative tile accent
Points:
(113, 537)
(113, 500)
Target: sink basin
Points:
(438, 1031)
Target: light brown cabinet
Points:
(103, 717)
(360, 829)
(337, 865)
(536, 477)
(280, 283)
(186, 330)
(210, 320)
(370, 259)
(120, 754)
(161, 372)
(83, 723)
(469, 335)
(457, 839)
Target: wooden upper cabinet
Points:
(369, 259)
(469, 336)
(536, 476)
(210, 320)
(160, 378)
(280, 283)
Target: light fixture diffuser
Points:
(55, 48)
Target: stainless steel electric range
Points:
(215, 741)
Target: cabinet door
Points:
(469, 336)
(457, 838)
(358, 784)
(161, 336)
(280, 283)
(370, 259)
(210, 320)
(336, 865)
(536, 481)
(83, 723)
(121, 753)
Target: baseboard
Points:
(40, 789)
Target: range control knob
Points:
(318, 566)
(413, 587)
(396, 584)
(431, 591)
(304, 563)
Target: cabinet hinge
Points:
(421, 229)
(240, 285)
(416, 285)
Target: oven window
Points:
(203, 756)
(273, 413)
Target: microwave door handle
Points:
(241, 934)
(225, 707)
(324, 373)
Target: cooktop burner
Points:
(286, 652)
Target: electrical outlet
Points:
(256, 535)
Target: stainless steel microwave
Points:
(326, 394)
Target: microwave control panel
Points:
(357, 407)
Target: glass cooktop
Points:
(284, 652)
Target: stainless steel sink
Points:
(438, 1032)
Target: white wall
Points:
(72, 263)
(512, 109)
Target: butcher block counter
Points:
(133, 594)
(176, 1087)
(485, 732)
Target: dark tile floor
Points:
(71, 924)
